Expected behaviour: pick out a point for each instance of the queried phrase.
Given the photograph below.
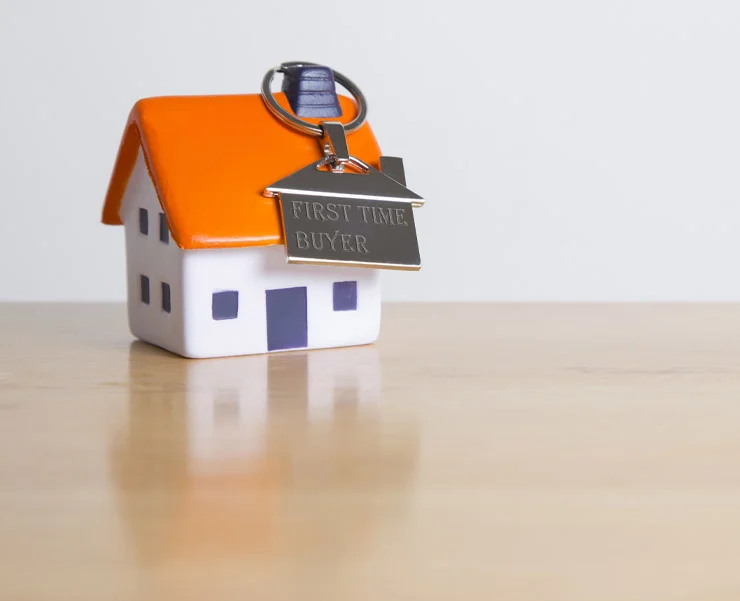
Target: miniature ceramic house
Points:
(206, 262)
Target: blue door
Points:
(287, 321)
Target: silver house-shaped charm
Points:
(345, 218)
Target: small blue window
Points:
(164, 232)
(166, 298)
(345, 296)
(144, 289)
(225, 305)
(144, 222)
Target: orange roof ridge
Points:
(210, 159)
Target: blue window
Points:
(225, 305)
(166, 298)
(144, 289)
(144, 222)
(164, 232)
(345, 296)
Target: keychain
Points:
(339, 210)
(247, 218)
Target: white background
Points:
(568, 150)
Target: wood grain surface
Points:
(519, 452)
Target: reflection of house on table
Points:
(228, 409)
(256, 458)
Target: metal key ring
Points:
(305, 126)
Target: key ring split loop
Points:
(305, 126)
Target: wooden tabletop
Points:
(518, 452)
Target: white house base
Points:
(236, 301)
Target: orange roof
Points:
(210, 159)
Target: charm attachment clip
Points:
(335, 145)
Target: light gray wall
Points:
(570, 150)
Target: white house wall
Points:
(147, 255)
(253, 271)
(194, 275)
